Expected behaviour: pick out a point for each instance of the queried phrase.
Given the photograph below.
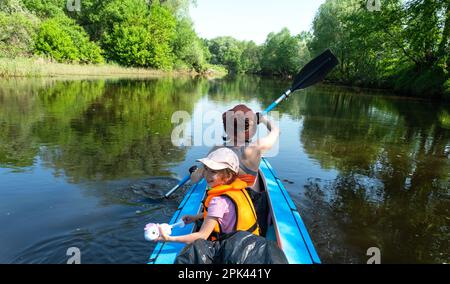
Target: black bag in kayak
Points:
(236, 248)
(261, 206)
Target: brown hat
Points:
(241, 114)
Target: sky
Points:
(252, 19)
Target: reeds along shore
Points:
(39, 67)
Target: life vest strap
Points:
(253, 228)
(216, 236)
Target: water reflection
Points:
(96, 129)
(392, 190)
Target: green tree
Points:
(139, 35)
(331, 31)
(226, 51)
(17, 29)
(17, 33)
(46, 8)
(282, 54)
(62, 39)
(188, 47)
(12, 6)
(251, 58)
(404, 46)
(162, 31)
(180, 8)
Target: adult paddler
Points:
(240, 125)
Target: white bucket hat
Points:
(222, 158)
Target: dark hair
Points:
(229, 175)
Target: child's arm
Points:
(192, 218)
(266, 143)
(205, 231)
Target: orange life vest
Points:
(245, 212)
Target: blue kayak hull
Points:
(288, 229)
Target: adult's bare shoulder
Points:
(252, 155)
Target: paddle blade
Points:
(315, 70)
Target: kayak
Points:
(286, 228)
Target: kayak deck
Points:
(287, 227)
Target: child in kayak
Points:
(227, 207)
(240, 124)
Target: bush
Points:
(17, 33)
(216, 70)
(128, 45)
(143, 42)
(46, 8)
(62, 39)
(188, 47)
(424, 83)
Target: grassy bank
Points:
(39, 67)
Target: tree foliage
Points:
(46, 8)
(226, 51)
(62, 39)
(139, 35)
(283, 54)
(189, 49)
(251, 57)
(404, 46)
(17, 29)
(17, 33)
(237, 56)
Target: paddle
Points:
(180, 184)
(310, 74)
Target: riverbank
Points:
(427, 90)
(359, 87)
(39, 67)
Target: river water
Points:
(84, 163)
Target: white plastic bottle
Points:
(151, 231)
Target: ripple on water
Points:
(120, 240)
(123, 243)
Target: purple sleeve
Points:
(218, 207)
